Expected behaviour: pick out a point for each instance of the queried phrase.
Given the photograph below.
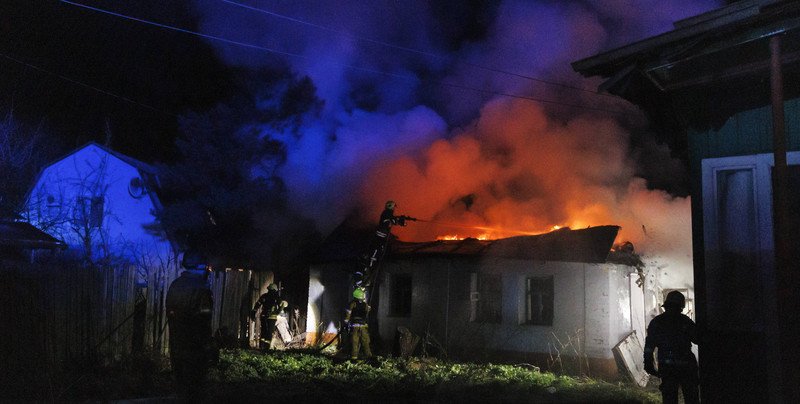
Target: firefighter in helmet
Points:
(269, 303)
(379, 243)
(189, 305)
(673, 334)
(356, 319)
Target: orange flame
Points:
(485, 236)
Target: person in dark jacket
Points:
(189, 306)
(673, 334)
(356, 319)
(368, 263)
(269, 303)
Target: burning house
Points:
(530, 299)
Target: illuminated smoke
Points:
(453, 155)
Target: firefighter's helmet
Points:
(358, 294)
(272, 286)
(674, 299)
(194, 260)
(391, 205)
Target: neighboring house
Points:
(521, 299)
(103, 205)
(99, 202)
(722, 87)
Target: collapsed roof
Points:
(590, 245)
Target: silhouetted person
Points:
(269, 303)
(189, 307)
(673, 334)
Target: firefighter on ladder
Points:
(366, 269)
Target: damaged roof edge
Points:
(590, 245)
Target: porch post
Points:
(785, 279)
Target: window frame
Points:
(548, 312)
(486, 307)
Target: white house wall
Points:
(592, 306)
(91, 171)
(328, 296)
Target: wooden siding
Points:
(749, 132)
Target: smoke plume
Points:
(466, 114)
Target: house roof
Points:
(592, 244)
(25, 235)
(147, 172)
(709, 66)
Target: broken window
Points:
(539, 300)
(486, 298)
(400, 295)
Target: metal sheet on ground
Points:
(631, 351)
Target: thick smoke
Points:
(417, 109)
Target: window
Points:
(400, 295)
(486, 298)
(89, 209)
(539, 301)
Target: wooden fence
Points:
(54, 316)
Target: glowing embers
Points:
(484, 236)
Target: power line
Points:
(82, 84)
(430, 54)
(252, 46)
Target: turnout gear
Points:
(673, 334)
(356, 321)
(194, 261)
(358, 294)
(189, 305)
(365, 273)
(271, 307)
(675, 299)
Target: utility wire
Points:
(433, 55)
(82, 84)
(207, 36)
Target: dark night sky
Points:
(412, 90)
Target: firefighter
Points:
(369, 262)
(269, 303)
(673, 334)
(189, 306)
(356, 320)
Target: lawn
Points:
(244, 375)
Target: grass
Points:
(244, 375)
(413, 379)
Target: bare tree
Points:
(23, 151)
